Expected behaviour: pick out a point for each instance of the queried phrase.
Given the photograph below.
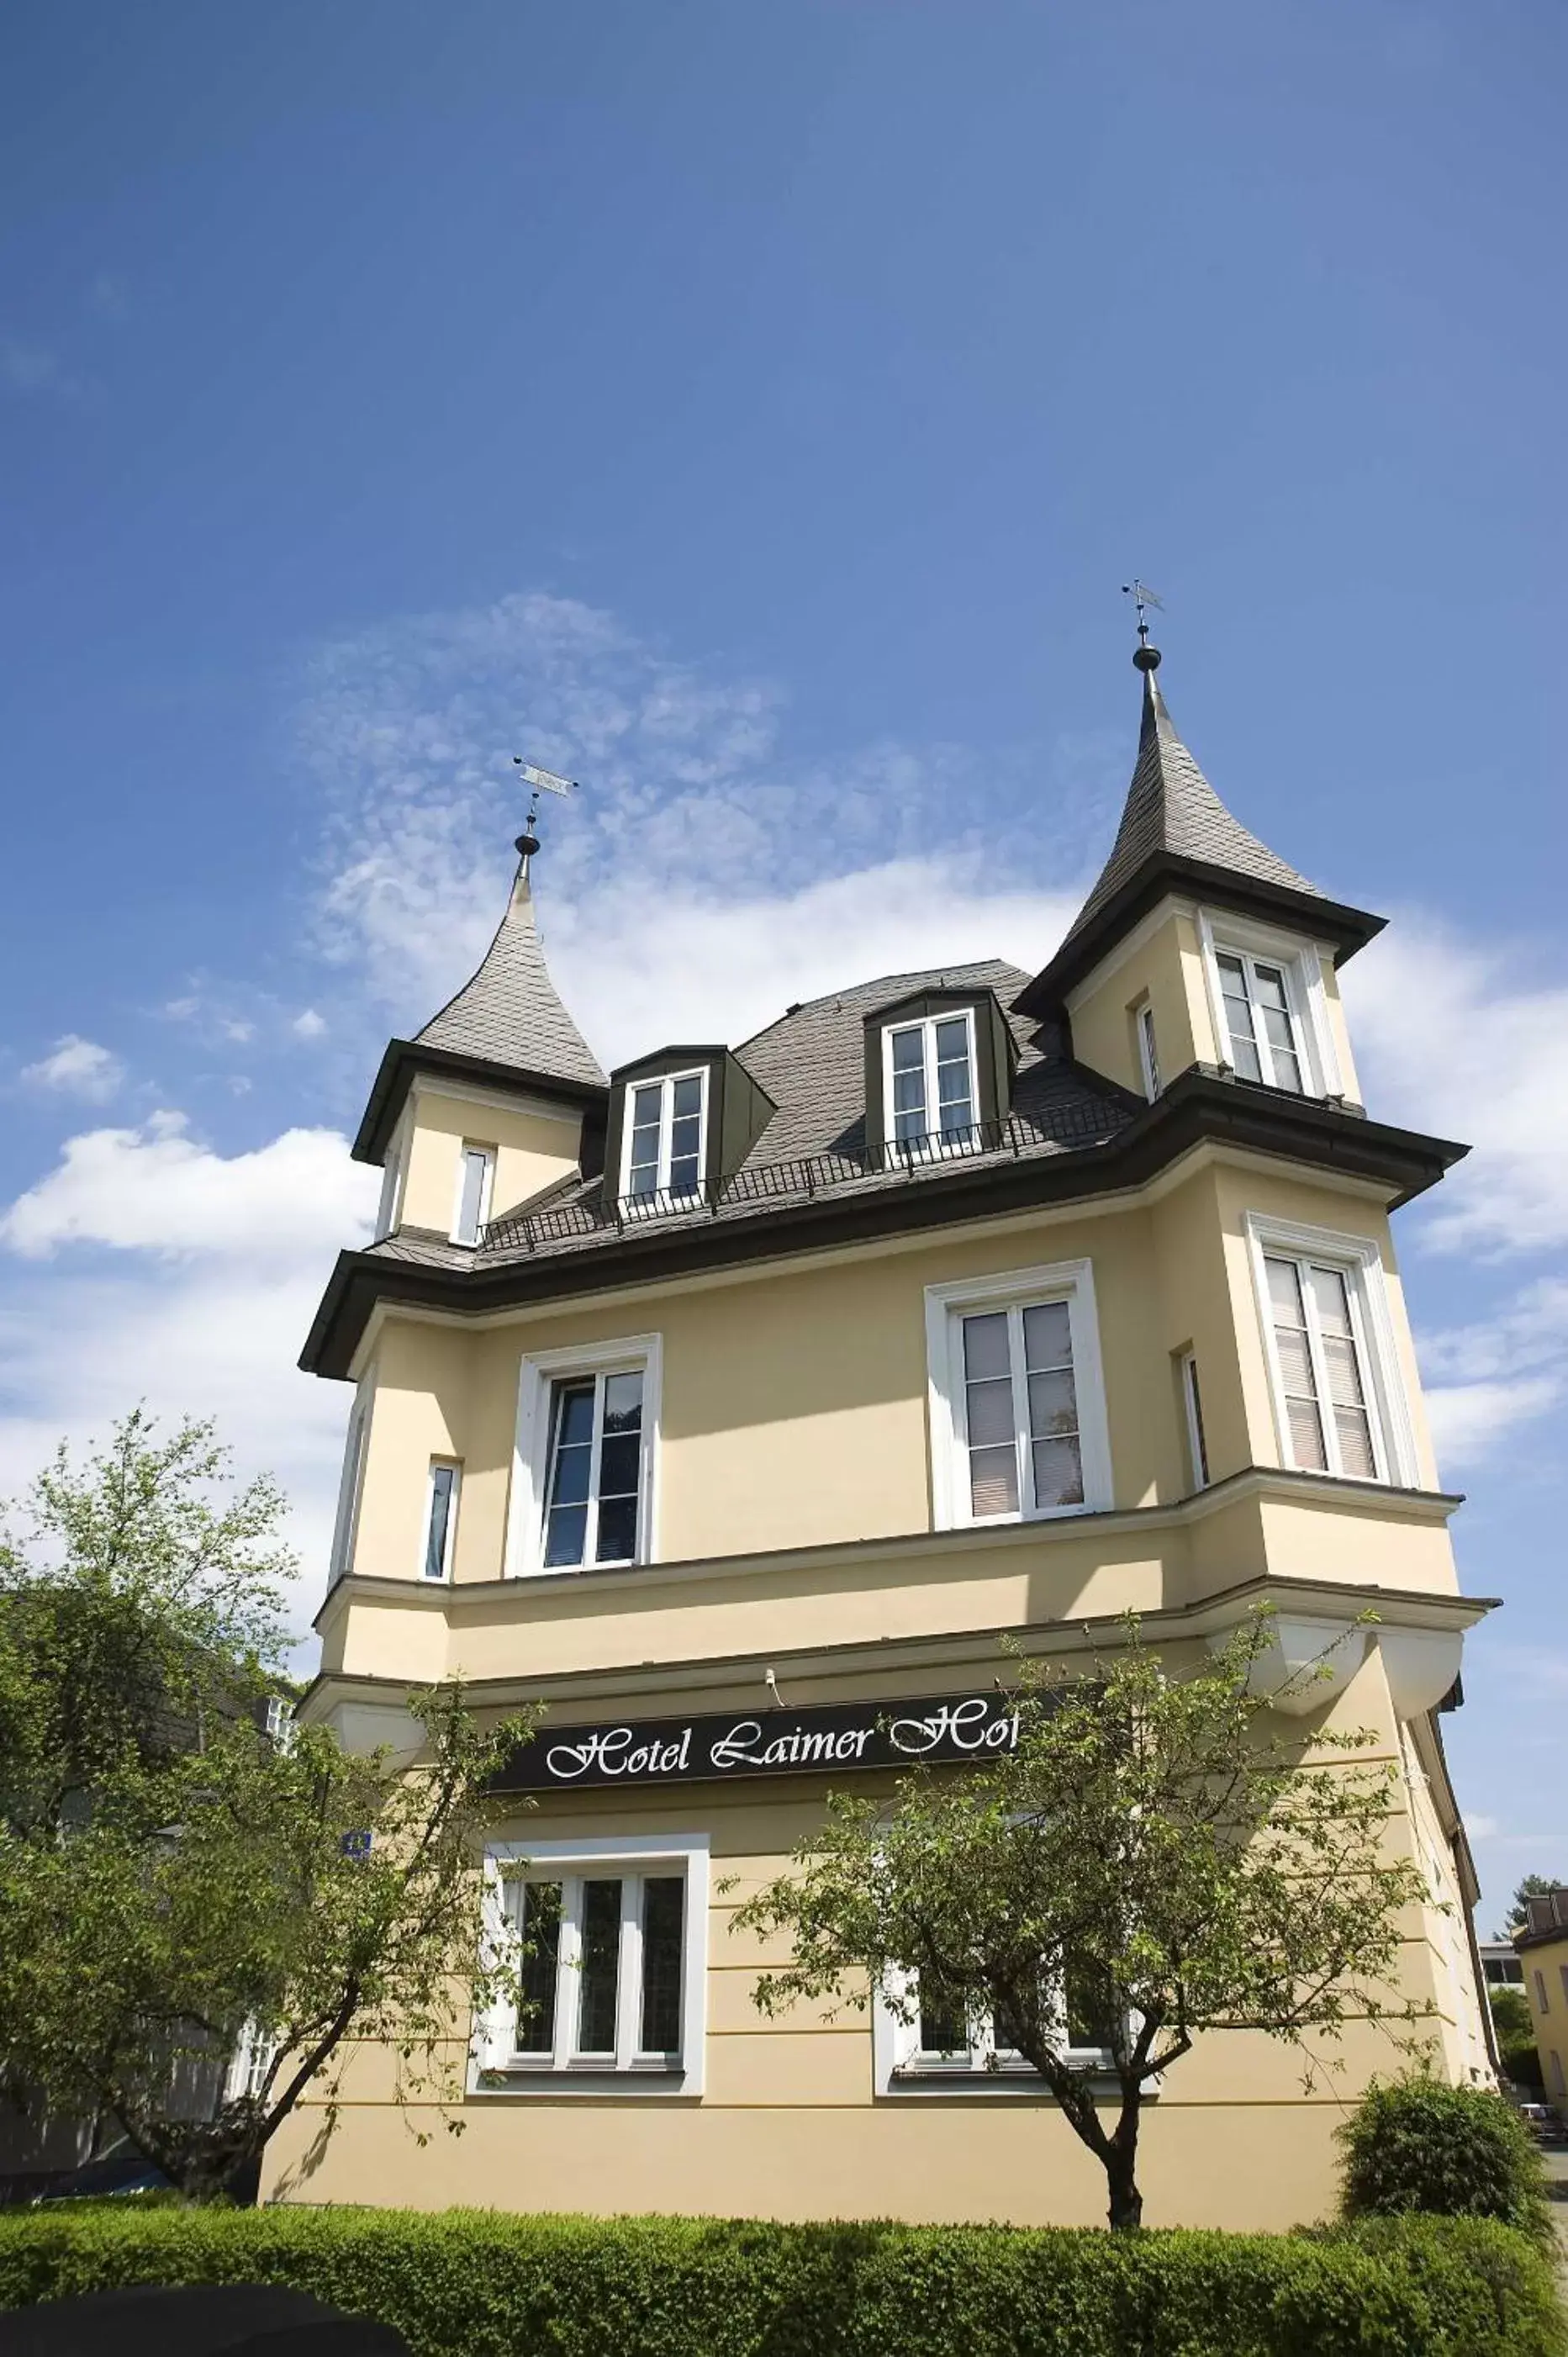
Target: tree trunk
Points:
(1126, 2212)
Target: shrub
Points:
(481, 2283)
(1454, 2152)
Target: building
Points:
(1542, 1947)
(732, 1400)
(1500, 1964)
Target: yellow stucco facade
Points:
(808, 1540)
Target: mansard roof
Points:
(1175, 828)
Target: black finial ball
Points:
(1147, 658)
(527, 845)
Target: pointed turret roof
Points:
(507, 1027)
(510, 1012)
(1175, 829)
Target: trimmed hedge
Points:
(483, 2284)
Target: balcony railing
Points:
(806, 1177)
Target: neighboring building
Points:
(1500, 1964)
(1542, 1947)
(736, 1404)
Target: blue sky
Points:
(755, 410)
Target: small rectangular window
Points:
(1558, 2085)
(929, 1086)
(1322, 1368)
(1148, 1054)
(1562, 1976)
(441, 1518)
(1256, 995)
(666, 1126)
(1192, 1401)
(349, 1488)
(602, 1969)
(1541, 2003)
(942, 2039)
(593, 1478)
(475, 1179)
(392, 1181)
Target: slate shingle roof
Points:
(511, 1013)
(1171, 807)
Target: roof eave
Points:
(406, 1058)
(1198, 1105)
(1345, 928)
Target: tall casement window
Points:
(1192, 1413)
(607, 1945)
(1264, 1031)
(392, 1185)
(476, 1181)
(1017, 1409)
(440, 1518)
(350, 1484)
(929, 1085)
(1338, 1399)
(665, 1136)
(587, 1426)
(939, 2044)
(1148, 1053)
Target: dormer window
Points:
(1265, 1037)
(665, 1136)
(928, 1083)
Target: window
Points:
(1264, 1035)
(475, 1177)
(1338, 1399)
(1559, 2086)
(1541, 2003)
(665, 1125)
(392, 1183)
(582, 1481)
(349, 1488)
(1192, 1403)
(608, 1944)
(1562, 1976)
(279, 1724)
(441, 1518)
(937, 2043)
(928, 1084)
(1148, 1055)
(1017, 1411)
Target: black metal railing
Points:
(806, 1175)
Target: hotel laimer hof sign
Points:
(724, 1744)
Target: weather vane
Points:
(542, 782)
(1142, 597)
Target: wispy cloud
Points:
(78, 1068)
(29, 366)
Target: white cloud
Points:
(218, 1263)
(308, 1024)
(78, 1068)
(1483, 1378)
(1450, 1039)
(155, 1190)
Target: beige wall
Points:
(1166, 966)
(789, 2124)
(536, 1145)
(1549, 1959)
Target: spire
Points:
(1175, 830)
(1172, 809)
(511, 1013)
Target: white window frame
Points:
(1192, 1409)
(1361, 1264)
(394, 1172)
(486, 1154)
(932, 1146)
(530, 1449)
(1300, 963)
(901, 2065)
(453, 1465)
(665, 1084)
(947, 1306)
(560, 2071)
(1148, 1046)
(351, 1482)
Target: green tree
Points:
(176, 1885)
(1534, 1886)
(1155, 1858)
(1516, 2036)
